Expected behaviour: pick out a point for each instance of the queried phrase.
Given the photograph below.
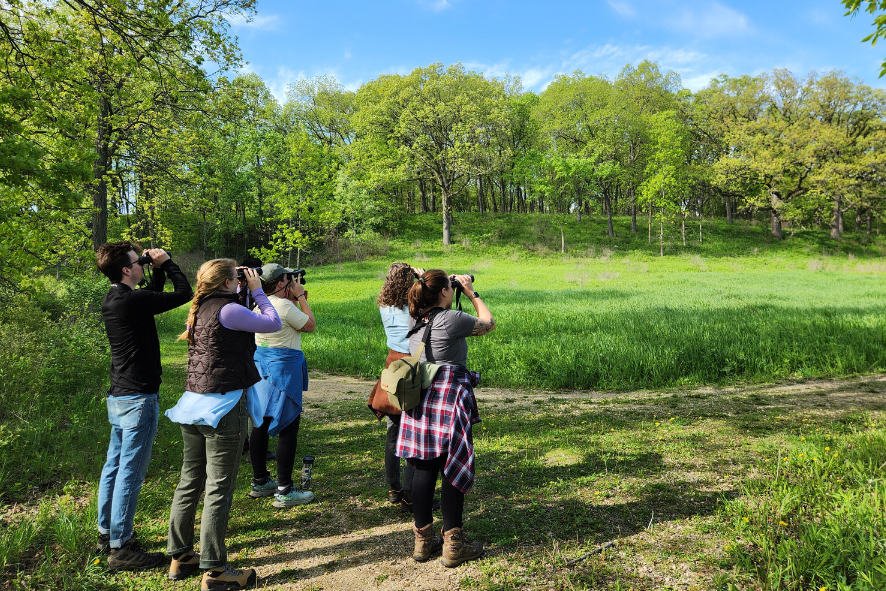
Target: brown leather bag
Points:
(378, 399)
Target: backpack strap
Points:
(425, 342)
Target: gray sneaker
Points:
(294, 497)
(263, 490)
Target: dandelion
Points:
(802, 439)
(484, 428)
(782, 523)
(800, 456)
(657, 424)
(835, 455)
(746, 520)
(96, 561)
(827, 449)
(726, 547)
(814, 459)
(660, 438)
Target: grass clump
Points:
(814, 517)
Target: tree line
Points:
(117, 120)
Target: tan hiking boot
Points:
(228, 579)
(426, 543)
(456, 550)
(184, 567)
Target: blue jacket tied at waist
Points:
(284, 377)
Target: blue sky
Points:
(357, 41)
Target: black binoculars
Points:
(240, 274)
(455, 284)
(143, 260)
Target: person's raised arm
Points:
(154, 300)
(485, 322)
(298, 296)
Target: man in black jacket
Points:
(133, 399)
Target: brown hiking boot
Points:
(426, 543)
(228, 578)
(184, 567)
(131, 557)
(456, 550)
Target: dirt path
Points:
(380, 557)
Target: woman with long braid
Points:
(212, 414)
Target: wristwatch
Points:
(476, 295)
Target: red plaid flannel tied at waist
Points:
(441, 424)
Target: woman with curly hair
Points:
(393, 306)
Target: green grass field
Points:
(701, 477)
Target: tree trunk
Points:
(869, 222)
(562, 239)
(683, 228)
(447, 215)
(699, 230)
(661, 234)
(775, 220)
(728, 209)
(837, 219)
(608, 205)
(99, 169)
(424, 196)
(650, 224)
(480, 195)
(633, 210)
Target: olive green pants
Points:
(210, 465)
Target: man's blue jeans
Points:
(133, 427)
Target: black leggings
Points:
(423, 484)
(286, 442)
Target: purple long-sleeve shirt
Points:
(236, 317)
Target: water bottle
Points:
(308, 463)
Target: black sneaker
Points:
(131, 557)
(104, 543)
(395, 496)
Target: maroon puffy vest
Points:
(220, 359)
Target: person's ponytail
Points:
(425, 293)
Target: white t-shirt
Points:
(293, 320)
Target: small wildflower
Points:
(835, 455)
(746, 520)
(802, 439)
(96, 561)
(827, 449)
(726, 547)
(782, 523)
(657, 424)
(814, 459)
(800, 456)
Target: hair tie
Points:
(422, 281)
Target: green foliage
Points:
(872, 7)
(53, 365)
(813, 516)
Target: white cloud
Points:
(713, 20)
(435, 5)
(623, 8)
(258, 22)
(279, 83)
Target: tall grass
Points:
(814, 518)
(628, 321)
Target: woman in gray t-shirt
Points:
(436, 436)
